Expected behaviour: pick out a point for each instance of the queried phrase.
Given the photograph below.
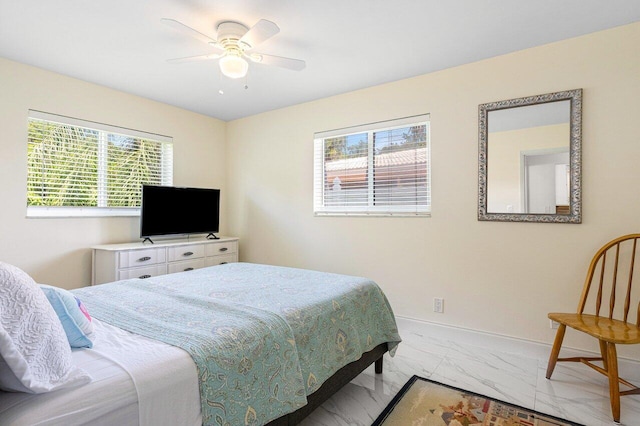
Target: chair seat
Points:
(602, 328)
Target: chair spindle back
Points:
(623, 248)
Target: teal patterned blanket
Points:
(262, 337)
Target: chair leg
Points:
(614, 385)
(555, 351)
(603, 352)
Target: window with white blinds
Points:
(83, 168)
(375, 169)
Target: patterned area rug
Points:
(428, 403)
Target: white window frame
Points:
(319, 207)
(103, 129)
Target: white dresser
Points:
(113, 262)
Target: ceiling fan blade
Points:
(278, 61)
(195, 58)
(184, 29)
(260, 32)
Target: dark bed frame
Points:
(333, 384)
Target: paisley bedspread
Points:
(262, 337)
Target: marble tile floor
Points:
(575, 392)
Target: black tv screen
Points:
(169, 210)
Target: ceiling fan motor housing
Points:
(229, 35)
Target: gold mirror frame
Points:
(575, 168)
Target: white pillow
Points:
(35, 356)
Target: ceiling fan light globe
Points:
(233, 66)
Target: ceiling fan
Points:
(234, 46)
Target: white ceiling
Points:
(347, 44)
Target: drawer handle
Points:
(189, 253)
(144, 259)
(223, 263)
(224, 248)
(188, 269)
(144, 276)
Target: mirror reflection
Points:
(528, 149)
(529, 159)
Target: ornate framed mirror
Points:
(529, 159)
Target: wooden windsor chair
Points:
(614, 262)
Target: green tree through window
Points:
(75, 166)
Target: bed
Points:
(240, 343)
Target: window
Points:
(374, 169)
(82, 168)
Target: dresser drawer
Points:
(186, 265)
(133, 258)
(191, 251)
(221, 248)
(145, 272)
(219, 260)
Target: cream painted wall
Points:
(498, 277)
(56, 251)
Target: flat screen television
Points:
(169, 210)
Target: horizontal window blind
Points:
(77, 167)
(374, 169)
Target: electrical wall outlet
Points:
(438, 305)
(553, 324)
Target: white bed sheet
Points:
(136, 380)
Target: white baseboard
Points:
(627, 367)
